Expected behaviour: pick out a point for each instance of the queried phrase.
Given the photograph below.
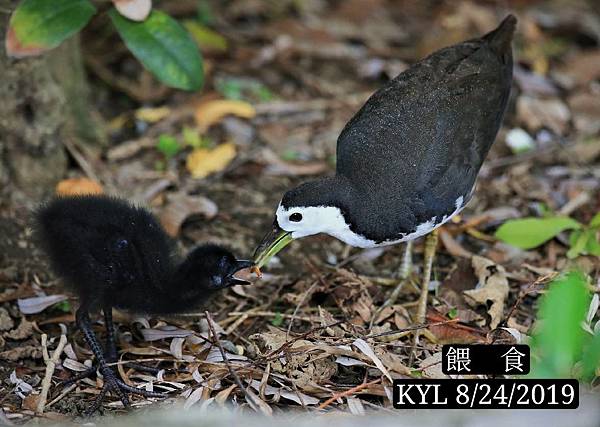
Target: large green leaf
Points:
(558, 343)
(39, 25)
(164, 47)
(527, 233)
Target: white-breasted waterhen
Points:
(408, 160)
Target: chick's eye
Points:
(296, 217)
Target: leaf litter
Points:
(305, 334)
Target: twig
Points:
(50, 366)
(300, 303)
(348, 393)
(62, 395)
(236, 379)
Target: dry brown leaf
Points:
(363, 346)
(181, 206)
(211, 112)
(537, 113)
(202, 162)
(78, 186)
(452, 246)
(23, 331)
(493, 288)
(452, 332)
(23, 352)
(6, 322)
(136, 10)
(432, 366)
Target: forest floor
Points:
(309, 330)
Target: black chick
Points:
(114, 254)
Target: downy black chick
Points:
(114, 254)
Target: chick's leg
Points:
(111, 382)
(111, 345)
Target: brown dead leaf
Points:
(181, 206)
(492, 289)
(536, 113)
(30, 402)
(78, 186)
(452, 332)
(202, 162)
(211, 112)
(452, 246)
(23, 331)
(136, 10)
(6, 322)
(432, 366)
(582, 67)
(585, 108)
(22, 352)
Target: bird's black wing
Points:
(423, 137)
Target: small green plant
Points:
(529, 233)
(564, 344)
(157, 40)
(168, 146)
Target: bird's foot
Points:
(113, 384)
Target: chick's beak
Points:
(273, 242)
(240, 274)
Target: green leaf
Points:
(168, 145)
(40, 25)
(277, 320)
(578, 241)
(64, 306)
(205, 37)
(591, 358)
(527, 233)
(593, 245)
(558, 342)
(595, 222)
(164, 47)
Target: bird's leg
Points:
(429, 253)
(111, 382)
(405, 268)
(110, 351)
(111, 343)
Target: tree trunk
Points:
(44, 101)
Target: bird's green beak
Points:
(273, 242)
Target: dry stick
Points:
(50, 366)
(300, 303)
(236, 379)
(347, 393)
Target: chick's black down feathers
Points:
(115, 254)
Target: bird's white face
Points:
(305, 221)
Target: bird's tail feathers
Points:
(501, 38)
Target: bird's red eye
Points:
(296, 217)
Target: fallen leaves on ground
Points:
(202, 161)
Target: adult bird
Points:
(115, 254)
(408, 160)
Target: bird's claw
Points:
(115, 385)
